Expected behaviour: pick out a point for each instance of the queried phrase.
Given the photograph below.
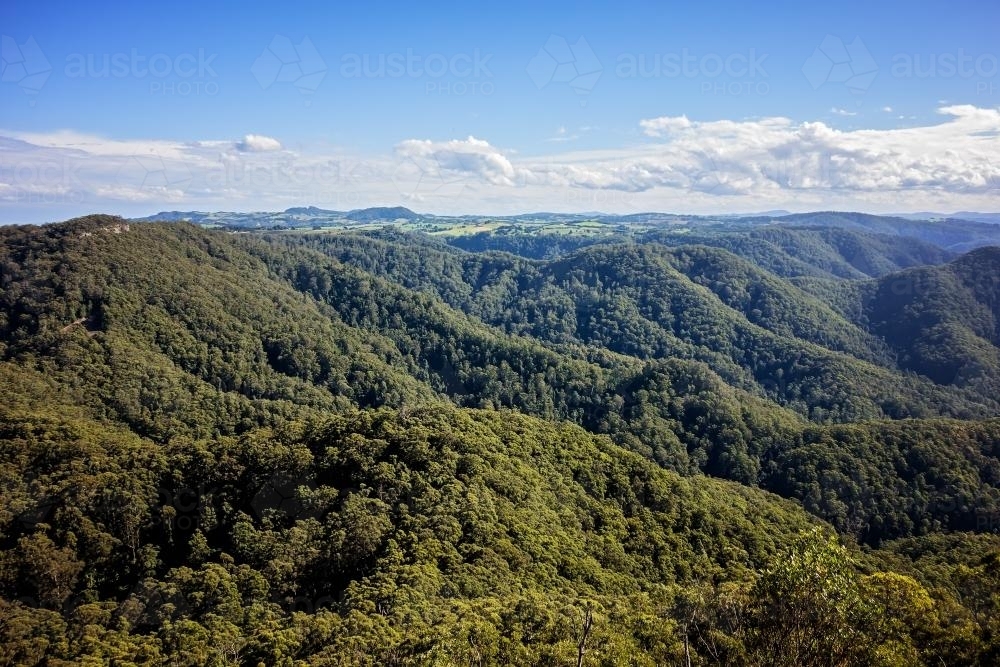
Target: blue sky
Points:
(498, 107)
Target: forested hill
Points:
(441, 456)
(761, 333)
(785, 249)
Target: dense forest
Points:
(770, 446)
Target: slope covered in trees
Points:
(758, 332)
(786, 249)
(943, 321)
(433, 535)
(247, 448)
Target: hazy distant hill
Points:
(957, 235)
(303, 216)
(381, 213)
(993, 218)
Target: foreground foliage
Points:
(438, 535)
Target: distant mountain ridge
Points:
(295, 216)
(975, 216)
(964, 229)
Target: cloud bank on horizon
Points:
(674, 164)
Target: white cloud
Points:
(464, 156)
(765, 156)
(68, 140)
(677, 164)
(843, 112)
(887, 109)
(62, 170)
(256, 143)
(658, 127)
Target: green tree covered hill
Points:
(286, 449)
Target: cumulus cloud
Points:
(658, 127)
(470, 156)
(258, 143)
(63, 170)
(764, 156)
(677, 164)
(842, 112)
